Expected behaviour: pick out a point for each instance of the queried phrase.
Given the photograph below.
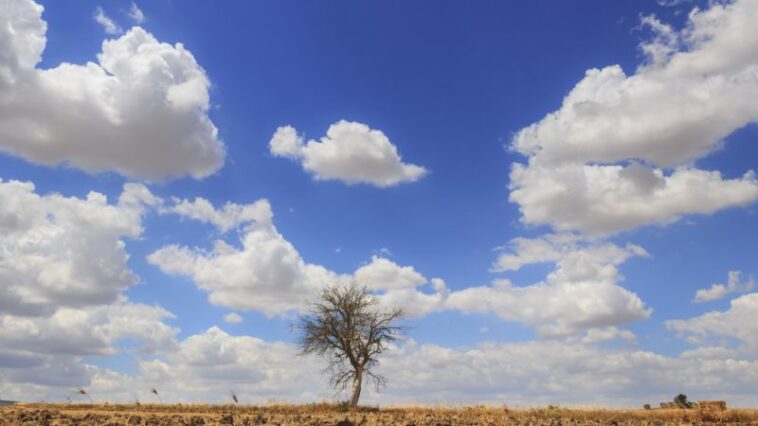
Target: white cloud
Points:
(233, 318)
(210, 365)
(255, 369)
(719, 291)
(140, 110)
(58, 251)
(265, 274)
(382, 273)
(135, 14)
(109, 26)
(711, 352)
(619, 152)
(398, 287)
(671, 111)
(596, 335)
(350, 152)
(286, 143)
(88, 331)
(416, 303)
(228, 217)
(581, 295)
(550, 372)
(737, 322)
(554, 308)
(204, 367)
(63, 269)
(526, 251)
(605, 199)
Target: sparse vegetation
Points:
(331, 414)
(155, 391)
(81, 391)
(682, 402)
(343, 406)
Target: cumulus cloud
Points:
(45, 353)
(581, 294)
(233, 318)
(522, 251)
(554, 309)
(711, 352)
(415, 302)
(140, 110)
(58, 251)
(88, 331)
(63, 269)
(255, 369)
(205, 366)
(618, 153)
(266, 273)
(605, 199)
(736, 323)
(109, 26)
(382, 273)
(51, 351)
(674, 109)
(135, 14)
(596, 335)
(719, 291)
(230, 216)
(350, 152)
(547, 372)
(401, 287)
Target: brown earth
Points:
(325, 414)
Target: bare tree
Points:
(346, 326)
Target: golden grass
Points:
(329, 414)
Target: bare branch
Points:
(346, 327)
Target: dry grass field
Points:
(325, 414)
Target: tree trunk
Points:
(357, 381)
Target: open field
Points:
(324, 414)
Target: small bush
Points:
(681, 401)
(343, 406)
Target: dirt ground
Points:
(325, 414)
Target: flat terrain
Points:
(324, 414)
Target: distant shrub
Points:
(681, 401)
(647, 407)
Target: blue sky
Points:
(520, 177)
